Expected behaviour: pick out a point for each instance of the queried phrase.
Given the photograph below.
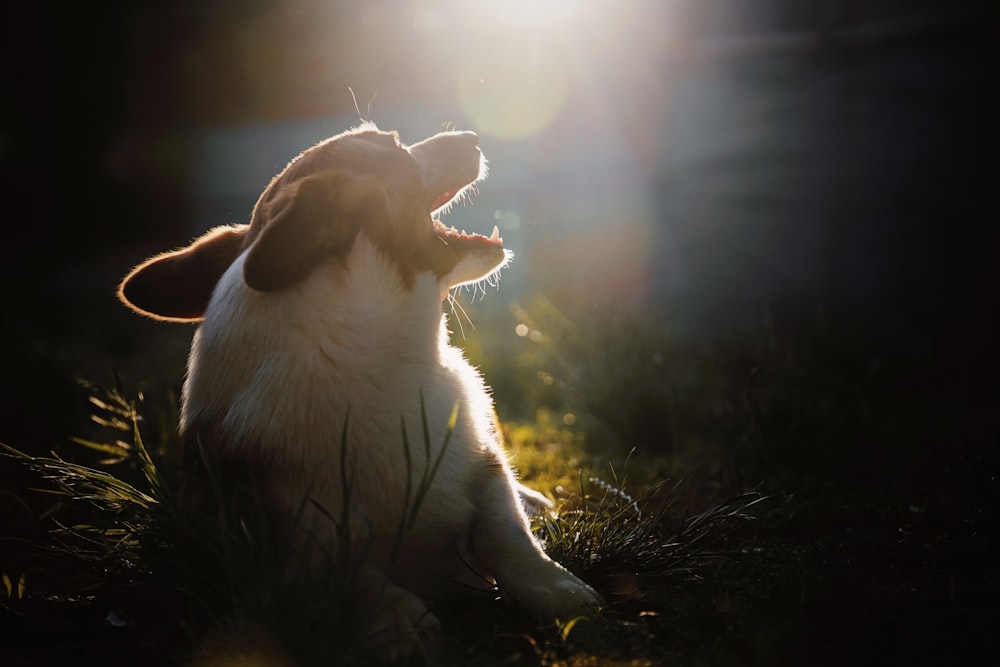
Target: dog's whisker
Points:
(459, 311)
(452, 302)
(355, 99)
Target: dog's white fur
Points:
(358, 345)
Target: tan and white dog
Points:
(322, 325)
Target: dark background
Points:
(733, 162)
(780, 166)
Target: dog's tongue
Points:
(445, 197)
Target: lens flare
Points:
(526, 14)
(518, 80)
(511, 98)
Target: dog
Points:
(322, 362)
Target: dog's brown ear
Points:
(312, 218)
(176, 286)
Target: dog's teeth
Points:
(495, 236)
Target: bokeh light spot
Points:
(514, 96)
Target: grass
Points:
(767, 500)
(116, 541)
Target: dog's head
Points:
(361, 182)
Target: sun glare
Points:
(512, 97)
(517, 81)
(530, 13)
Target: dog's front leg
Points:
(506, 550)
(534, 503)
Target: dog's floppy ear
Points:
(312, 218)
(176, 286)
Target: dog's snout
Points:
(448, 161)
(445, 141)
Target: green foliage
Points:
(781, 402)
(617, 378)
(229, 577)
(803, 408)
(609, 535)
(15, 591)
(224, 575)
(414, 497)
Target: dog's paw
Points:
(552, 591)
(401, 625)
(534, 503)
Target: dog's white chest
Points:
(348, 358)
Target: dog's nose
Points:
(470, 138)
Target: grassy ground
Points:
(778, 499)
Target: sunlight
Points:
(515, 86)
(512, 97)
(531, 13)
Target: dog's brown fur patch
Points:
(177, 285)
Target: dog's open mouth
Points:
(451, 233)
